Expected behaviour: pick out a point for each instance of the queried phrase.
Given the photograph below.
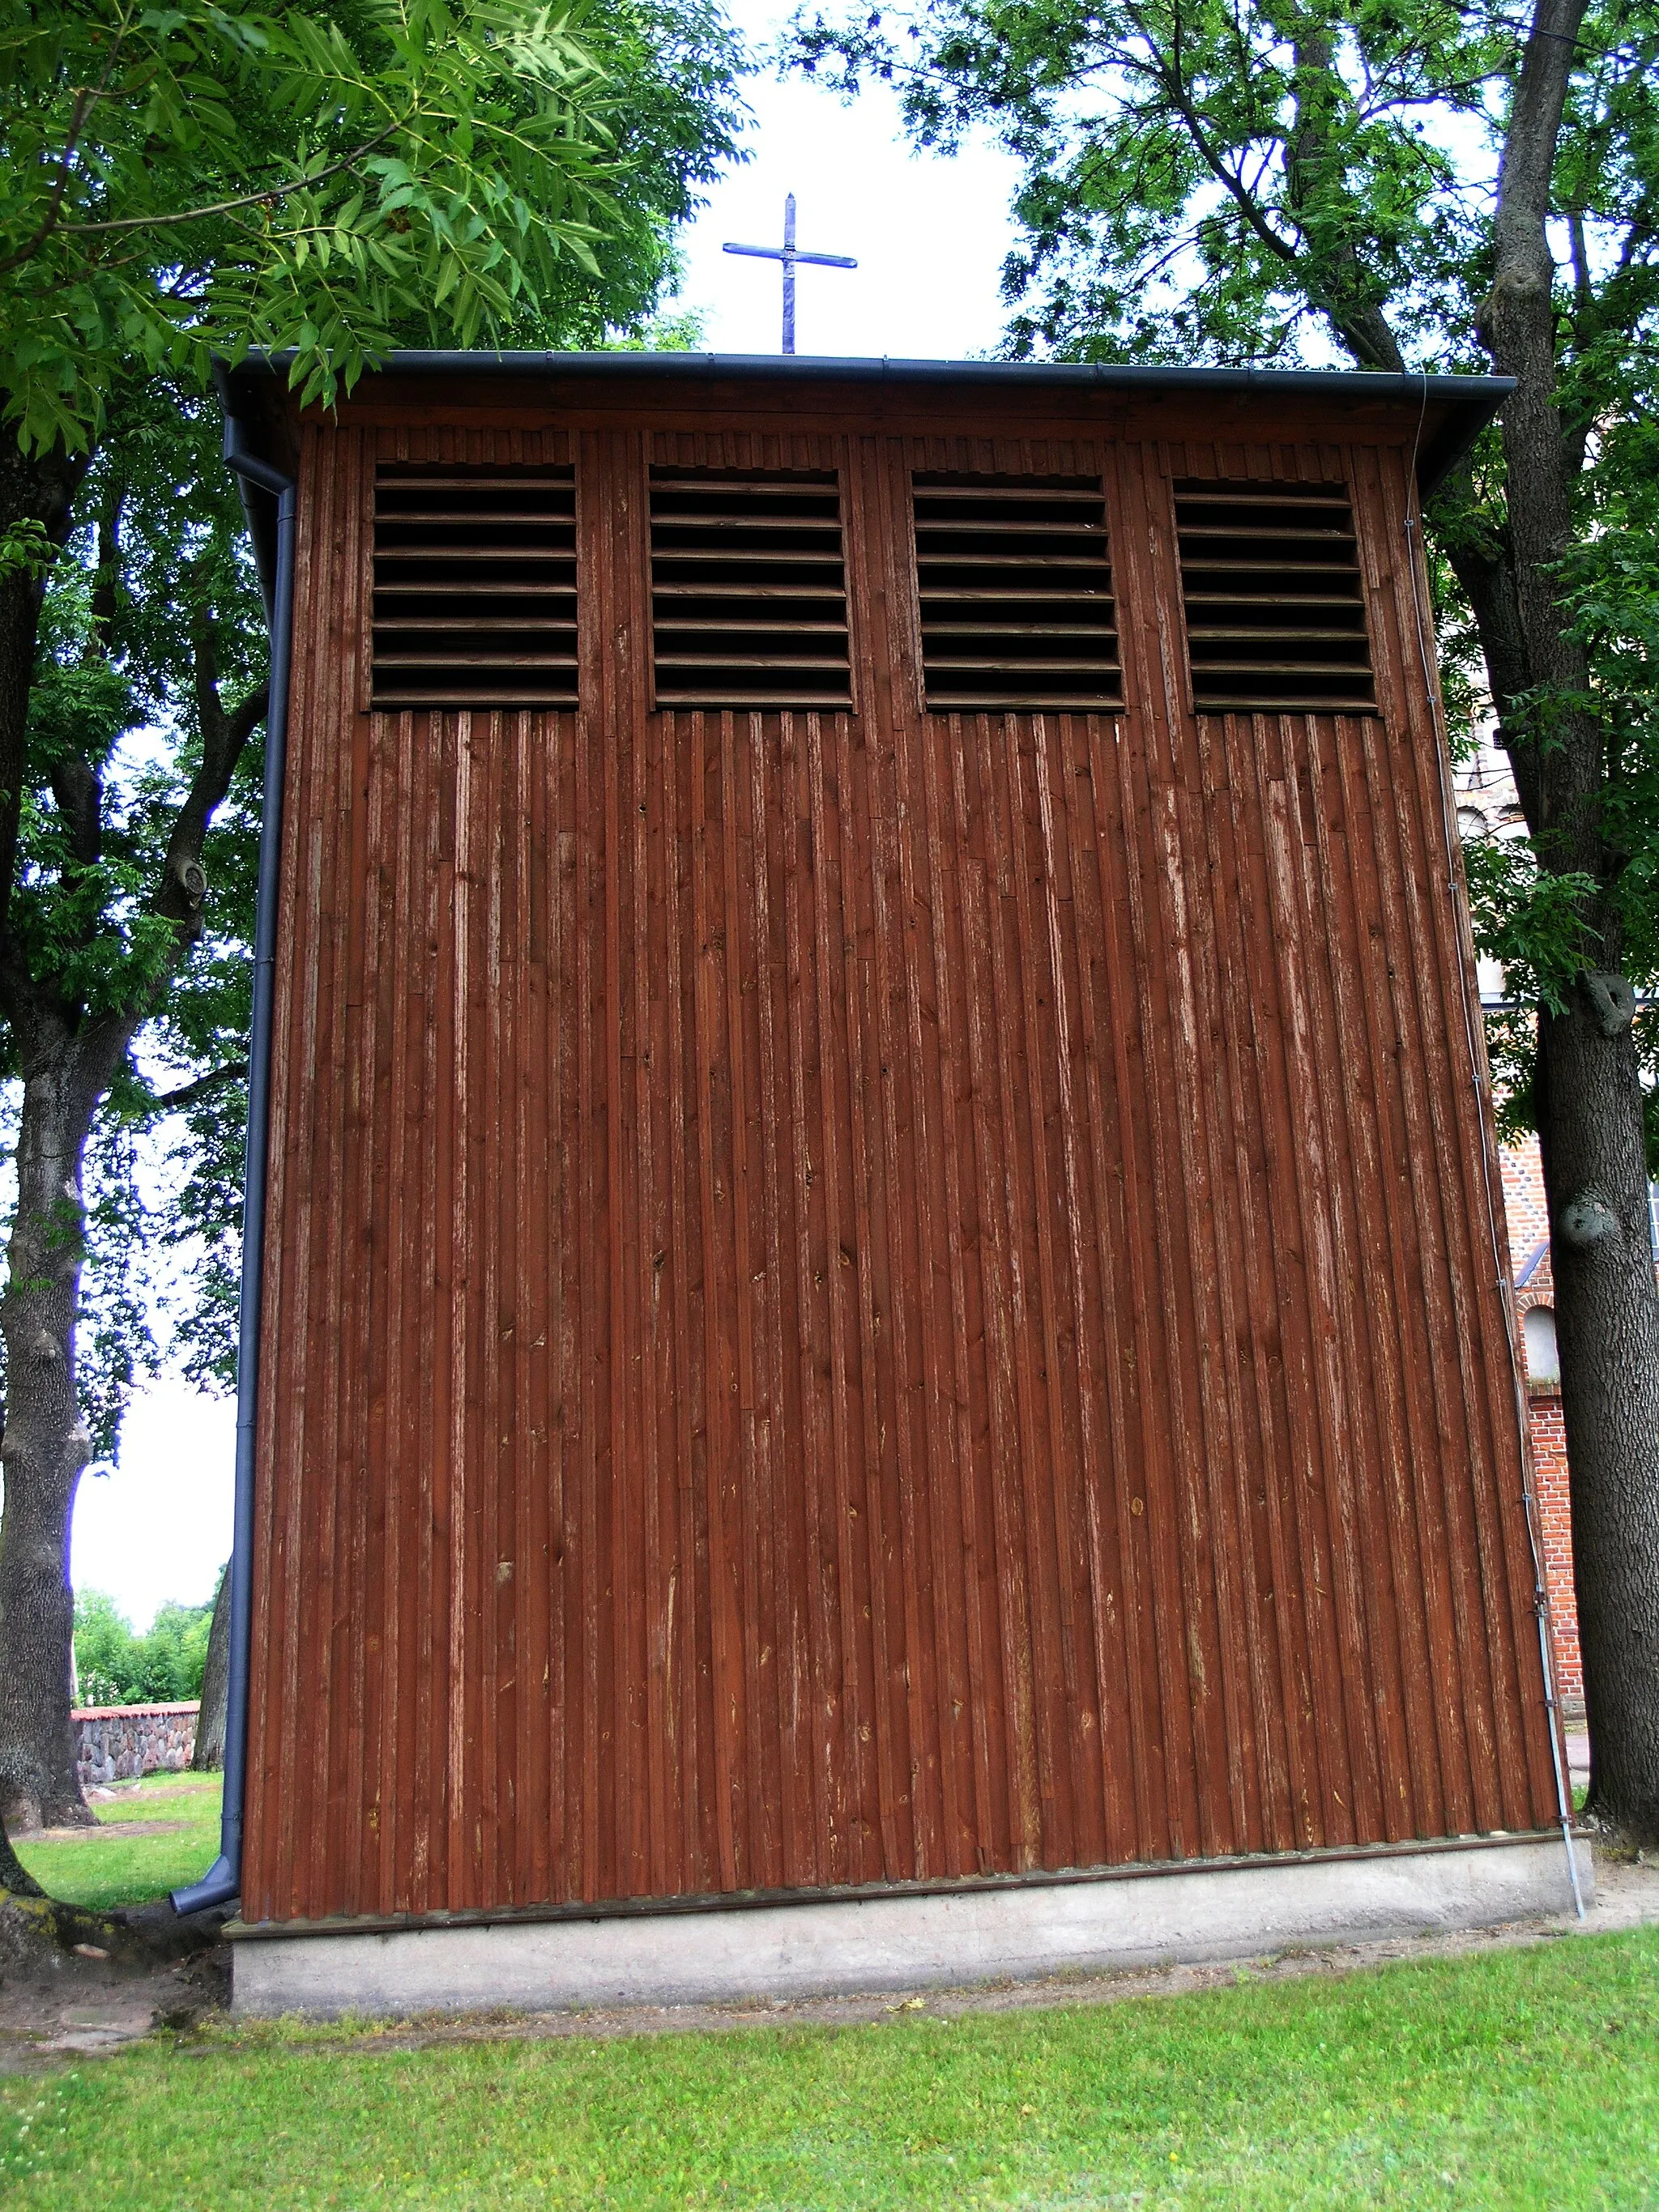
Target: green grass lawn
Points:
(1515, 2078)
(99, 1868)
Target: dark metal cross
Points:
(789, 255)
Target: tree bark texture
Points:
(46, 1446)
(1588, 1096)
(68, 1059)
(1608, 1321)
(34, 487)
(209, 1754)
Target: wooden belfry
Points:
(881, 1289)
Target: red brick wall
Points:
(1549, 1461)
(1528, 1226)
(1524, 1208)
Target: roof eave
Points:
(1464, 404)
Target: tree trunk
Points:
(68, 1061)
(1589, 1096)
(1589, 1120)
(209, 1754)
(45, 1445)
(33, 488)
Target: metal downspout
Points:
(223, 1880)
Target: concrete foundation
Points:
(905, 1940)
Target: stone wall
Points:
(117, 1743)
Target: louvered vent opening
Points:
(1015, 585)
(1275, 616)
(475, 587)
(748, 591)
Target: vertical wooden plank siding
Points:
(862, 1297)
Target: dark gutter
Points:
(268, 493)
(1472, 401)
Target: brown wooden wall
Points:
(861, 1298)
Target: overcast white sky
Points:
(929, 236)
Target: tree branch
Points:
(79, 792)
(106, 578)
(38, 487)
(168, 1101)
(229, 207)
(1518, 324)
(1522, 255)
(1581, 279)
(55, 199)
(84, 101)
(1340, 291)
(184, 885)
(1169, 74)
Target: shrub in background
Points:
(117, 1667)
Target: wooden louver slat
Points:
(1016, 589)
(748, 591)
(1275, 614)
(475, 587)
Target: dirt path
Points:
(105, 1828)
